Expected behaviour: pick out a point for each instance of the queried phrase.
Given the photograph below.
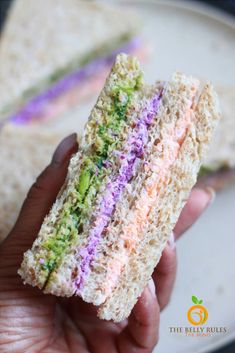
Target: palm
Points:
(51, 324)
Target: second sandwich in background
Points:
(46, 77)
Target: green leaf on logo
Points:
(194, 299)
(200, 302)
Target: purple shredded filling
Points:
(136, 141)
(37, 105)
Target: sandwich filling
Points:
(131, 233)
(128, 159)
(135, 144)
(65, 92)
(156, 167)
(98, 163)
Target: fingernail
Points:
(212, 194)
(152, 288)
(171, 241)
(64, 148)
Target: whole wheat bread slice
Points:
(222, 150)
(24, 153)
(177, 97)
(54, 35)
(181, 178)
(126, 69)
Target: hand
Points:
(32, 322)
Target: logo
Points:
(197, 317)
(197, 314)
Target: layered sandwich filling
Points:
(99, 161)
(127, 160)
(158, 168)
(133, 152)
(155, 167)
(67, 91)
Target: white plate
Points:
(199, 41)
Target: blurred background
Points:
(53, 62)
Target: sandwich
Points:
(138, 159)
(32, 147)
(218, 169)
(56, 59)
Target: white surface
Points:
(206, 269)
(198, 44)
(202, 43)
(188, 40)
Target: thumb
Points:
(41, 197)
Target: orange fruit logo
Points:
(197, 314)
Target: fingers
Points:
(42, 194)
(165, 273)
(141, 333)
(198, 201)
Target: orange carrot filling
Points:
(168, 149)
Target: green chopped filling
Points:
(205, 170)
(84, 182)
(93, 173)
